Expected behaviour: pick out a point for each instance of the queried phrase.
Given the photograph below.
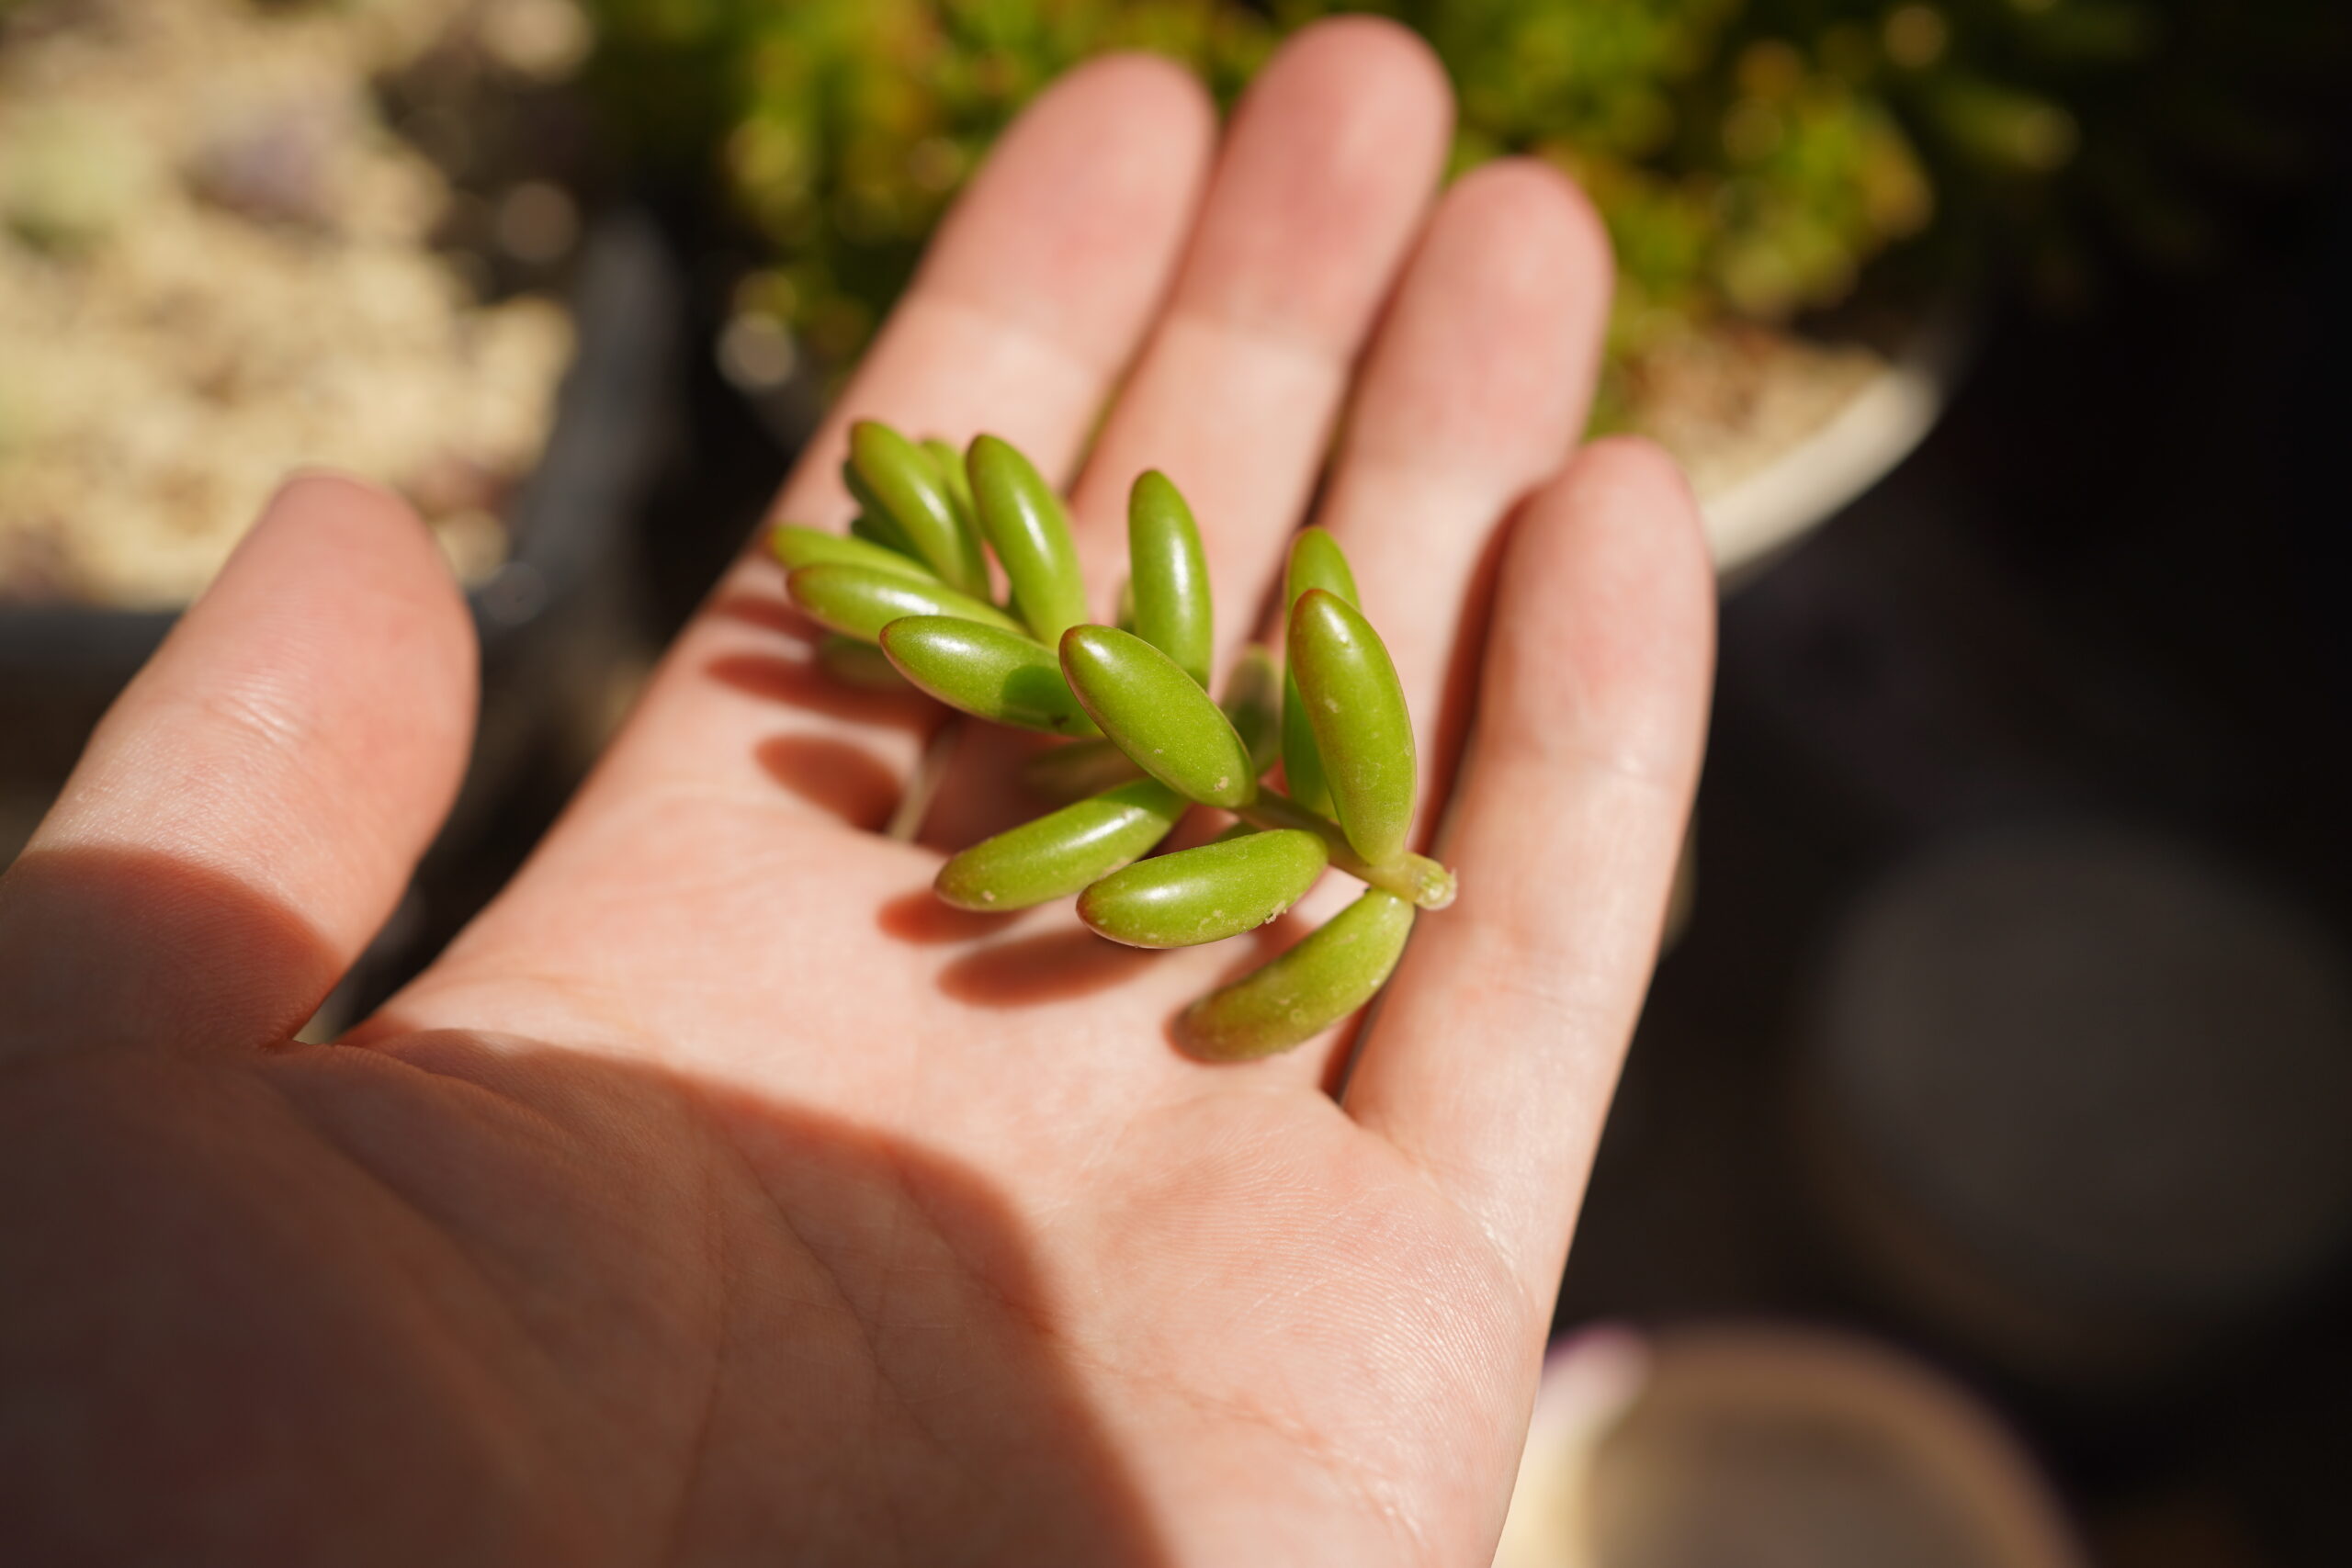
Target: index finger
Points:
(1027, 307)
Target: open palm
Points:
(721, 1197)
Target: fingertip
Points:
(1631, 483)
(344, 558)
(1608, 590)
(1529, 207)
(1619, 493)
(1325, 171)
(1147, 123)
(337, 492)
(1152, 89)
(1630, 461)
(332, 512)
(1074, 223)
(1382, 59)
(1485, 364)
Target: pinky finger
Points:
(1495, 1051)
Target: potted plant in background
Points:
(243, 236)
(1800, 192)
(238, 237)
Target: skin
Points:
(718, 1197)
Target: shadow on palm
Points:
(614, 1309)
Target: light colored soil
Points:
(1728, 401)
(214, 268)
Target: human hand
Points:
(718, 1195)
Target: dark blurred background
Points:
(2008, 1027)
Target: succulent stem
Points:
(1410, 876)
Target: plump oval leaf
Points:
(1316, 561)
(859, 601)
(1158, 715)
(1415, 878)
(798, 544)
(1205, 894)
(903, 481)
(1305, 991)
(872, 521)
(1062, 852)
(948, 462)
(1348, 688)
(1004, 677)
(1026, 526)
(1169, 576)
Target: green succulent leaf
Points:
(1305, 991)
(1316, 561)
(1348, 688)
(798, 544)
(948, 462)
(882, 536)
(904, 482)
(859, 601)
(1159, 717)
(1252, 701)
(1062, 852)
(1004, 677)
(1206, 894)
(1169, 576)
(874, 523)
(1030, 532)
(1415, 878)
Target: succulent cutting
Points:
(1146, 741)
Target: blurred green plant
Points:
(1751, 157)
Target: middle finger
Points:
(1330, 162)
(1321, 185)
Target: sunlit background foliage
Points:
(1752, 158)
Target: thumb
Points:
(253, 805)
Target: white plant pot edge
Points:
(1770, 510)
(1593, 1379)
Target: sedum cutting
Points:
(1147, 741)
